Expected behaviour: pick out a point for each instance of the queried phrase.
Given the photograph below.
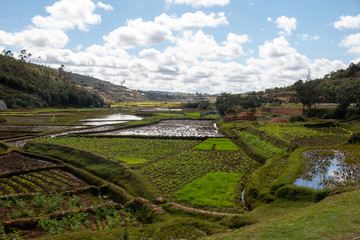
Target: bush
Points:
(295, 193)
(296, 118)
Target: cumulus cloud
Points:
(352, 42)
(192, 21)
(201, 45)
(35, 38)
(199, 3)
(69, 14)
(285, 23)
(347, 22)
(137, 33)
(107, 7)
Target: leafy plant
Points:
(220, 144)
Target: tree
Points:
(252, 101)
(24, 55)
(308, 93)
(227, 101)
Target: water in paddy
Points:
(179, 128)
(327, 169)
(110, 119)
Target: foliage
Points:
(214, 189)
(308, 93)
(296, 118)
(219, 144)
(226, 101)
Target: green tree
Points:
(227, 101)
(308, 93)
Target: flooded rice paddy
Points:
(110, 119)
(327, 169)
(174, 128)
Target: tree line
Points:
(341, 87)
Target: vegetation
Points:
(27, 85)
(262, 144)
(219, 144)
(129, 150)
(214, 190)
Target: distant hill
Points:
(26, 85)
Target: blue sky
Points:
(206, 46)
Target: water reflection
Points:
(181, 128)
(327, 169)
(110, 119)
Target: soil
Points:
(15, 161)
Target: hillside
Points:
(26, 85)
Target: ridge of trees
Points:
(341, 87)
(27, 85)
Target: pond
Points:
(174, 128)
(110, 119)
(327, 169)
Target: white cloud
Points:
(352, 42)
(347, 22)
(199, 3)
(69, 14)
(137, 33)
(107, 7)
(192, 21)
(306, 37)
(287, 24)
(269, 19)
(35, 38)
(201, 45)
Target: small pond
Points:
(328, 168)
(110, 119)
(174, 128)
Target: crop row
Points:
(174, 173)
(127, 148)
(291, 132)
(266, 146)
(43, 181)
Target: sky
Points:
(203, 46)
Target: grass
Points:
(132, 161)
(214, 190)
(266, 146)
(336, 217)
(220, 144)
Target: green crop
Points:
(214, 189)
(129, 150)
(220, 144)
(262, 144)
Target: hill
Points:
(26, 85)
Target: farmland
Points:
(81, 182)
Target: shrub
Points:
(296, 118)
(295, 193)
